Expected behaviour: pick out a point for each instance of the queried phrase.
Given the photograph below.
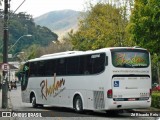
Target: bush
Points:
(155, 99)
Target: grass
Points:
(156, 99)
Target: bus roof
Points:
(76, 53)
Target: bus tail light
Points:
(109, 93)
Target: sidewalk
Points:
(9, 105)
(151, 109)
(9, 102)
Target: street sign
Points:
(5, 67)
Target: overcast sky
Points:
(39, 7)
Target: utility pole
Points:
(5, 57)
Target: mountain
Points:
(20, 25)
(59, 21)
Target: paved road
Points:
(64, 113)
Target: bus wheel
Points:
(40, 105)
(78, 105)
(34, 101)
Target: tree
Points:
(55, 47)
(30, 53)
(103, 26)
(22, 24)
(144, 27)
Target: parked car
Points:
(156, 88)
(13, 85)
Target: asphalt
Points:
(9, 108)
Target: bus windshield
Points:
(130, 58)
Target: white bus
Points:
(105, 79)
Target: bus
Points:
(107, 79)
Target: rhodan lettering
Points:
(122, 58)
(49, 90)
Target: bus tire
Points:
(40, 105)
(33, 100)
(78, 104)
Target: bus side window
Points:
(99, 63)
(72, 66)
(50, 68)
(61, 66)
(41, 68)
(33, 69)
(82, 65)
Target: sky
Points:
(39, 7)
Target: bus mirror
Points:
(26, 68)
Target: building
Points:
(11, 73)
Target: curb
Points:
(149, 110)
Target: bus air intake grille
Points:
(99, 100)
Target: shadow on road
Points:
(67, 112)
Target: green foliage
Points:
(144, 29)
(103, 26)
(31, 52)
(144, 26)
(154, 68)
(23, 24)
(156, 99)
(1, 57)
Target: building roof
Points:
(11, 66)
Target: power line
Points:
(19, 6)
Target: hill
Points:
(59, 21)
(23, 24)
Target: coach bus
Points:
(107, 79)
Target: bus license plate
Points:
(131, 99)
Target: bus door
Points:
(25, 76)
